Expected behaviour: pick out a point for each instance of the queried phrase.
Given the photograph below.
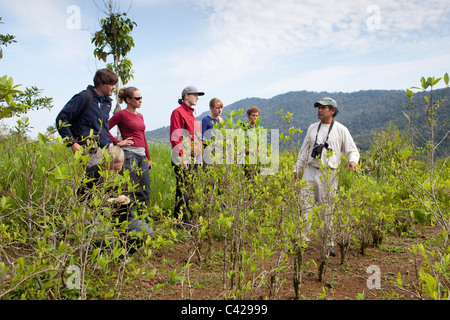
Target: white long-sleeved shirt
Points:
(339, 140)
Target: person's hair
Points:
(126, 93)
(335, 111)
(253, 109)
(214, 101)
(105, 76)
(117, 154)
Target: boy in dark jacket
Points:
(86, 111)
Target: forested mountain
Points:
(363, 112)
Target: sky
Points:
(229, 49)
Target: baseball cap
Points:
(191, 90)
(326, 102)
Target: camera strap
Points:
(329, 130)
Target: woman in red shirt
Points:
(134, 144)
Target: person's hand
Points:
(122, 199)
(126, 142)
(352, 166)
(295, 178)
(75, 147)
(150, 167)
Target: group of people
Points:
(85, 121)
(182, 119)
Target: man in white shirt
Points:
(325, 143)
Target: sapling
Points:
(435, 273)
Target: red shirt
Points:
(131, 126)
(183, 118)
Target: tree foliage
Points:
(114, 39)
(5, 39)
(363, 113)
(14, 101)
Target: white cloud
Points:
(33, 18)
(44, 24)
(233, 48)
(357, 77)
(247, 36)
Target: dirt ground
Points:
(341, 282)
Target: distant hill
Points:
(362, 112)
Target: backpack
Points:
(85, 107)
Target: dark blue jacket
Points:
(82, 120)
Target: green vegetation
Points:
(248, 231)
(14, 101)
(363, 113)
(57, 242)
(162, 178)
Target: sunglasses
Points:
(137, 98)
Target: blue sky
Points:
(230, 49)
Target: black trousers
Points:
(184, 190)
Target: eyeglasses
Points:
(137, 98)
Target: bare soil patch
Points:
(341, 282)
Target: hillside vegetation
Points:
(245, 237)
(363, 112)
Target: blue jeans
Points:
(139, 225)
(140, 174)
(134, 224)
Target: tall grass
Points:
(47, 227)
(253, 223)
(13, 169)
(162, 177)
